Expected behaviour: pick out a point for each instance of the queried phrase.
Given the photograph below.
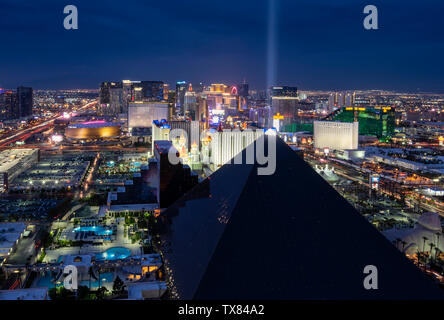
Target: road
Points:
(22, 135)
(356, 176)
(25, 249)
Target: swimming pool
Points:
(98, 230)
(47, 281)
(114, 254)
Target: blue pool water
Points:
(45, 281)
(114, 254)
(98, 230)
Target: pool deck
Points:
(120, 241)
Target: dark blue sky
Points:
(320, 44)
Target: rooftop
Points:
(94, 124)
(9, 158)
(24, 294)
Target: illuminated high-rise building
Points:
(341, 99)
(166, 91)
(8, 105)
(181, 89)
(332, 101)
(173, 180)
(336, 135)
(284, 102)
(111, 97)
(142, 114)
(226, 144)
(190, 105)
(218, 87)
(116, 96)
(350, 99)
(203, 115)
(148, 91)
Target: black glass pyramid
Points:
(290, 235)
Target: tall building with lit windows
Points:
(142, 114)
(190, 105)
(181, 89)
(111, 97)
(284, 101)
(148, 91)
(336, 135)
(226, 144)
(8, 105)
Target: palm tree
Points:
(397, 242)
(431, 251)
(423, 252)
(437, 252)
(403, 245)
(423, 247)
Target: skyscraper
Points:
(203, 112)
(350, 99)
(142, 114)
(116, 96)
(24, 101)
(243, 90)
(111, 97)
(148, 91)
(181, 89)
(284, 91)
(8, 105)
(190, 105)
(284, 102)
(173, 180)
(336, 135)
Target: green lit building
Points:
(373, 121)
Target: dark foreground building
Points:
(173, 180)
(24, 101)
(290, 235)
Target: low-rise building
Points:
(13, 162)
(10, 235)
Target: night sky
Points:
(318, 44)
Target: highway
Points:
(22, 135)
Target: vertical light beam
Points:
(272, 43)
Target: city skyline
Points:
(194, 150)
(317, 46)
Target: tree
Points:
(118, 286)
(83, 292)
(52, 293)
(100, 293)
